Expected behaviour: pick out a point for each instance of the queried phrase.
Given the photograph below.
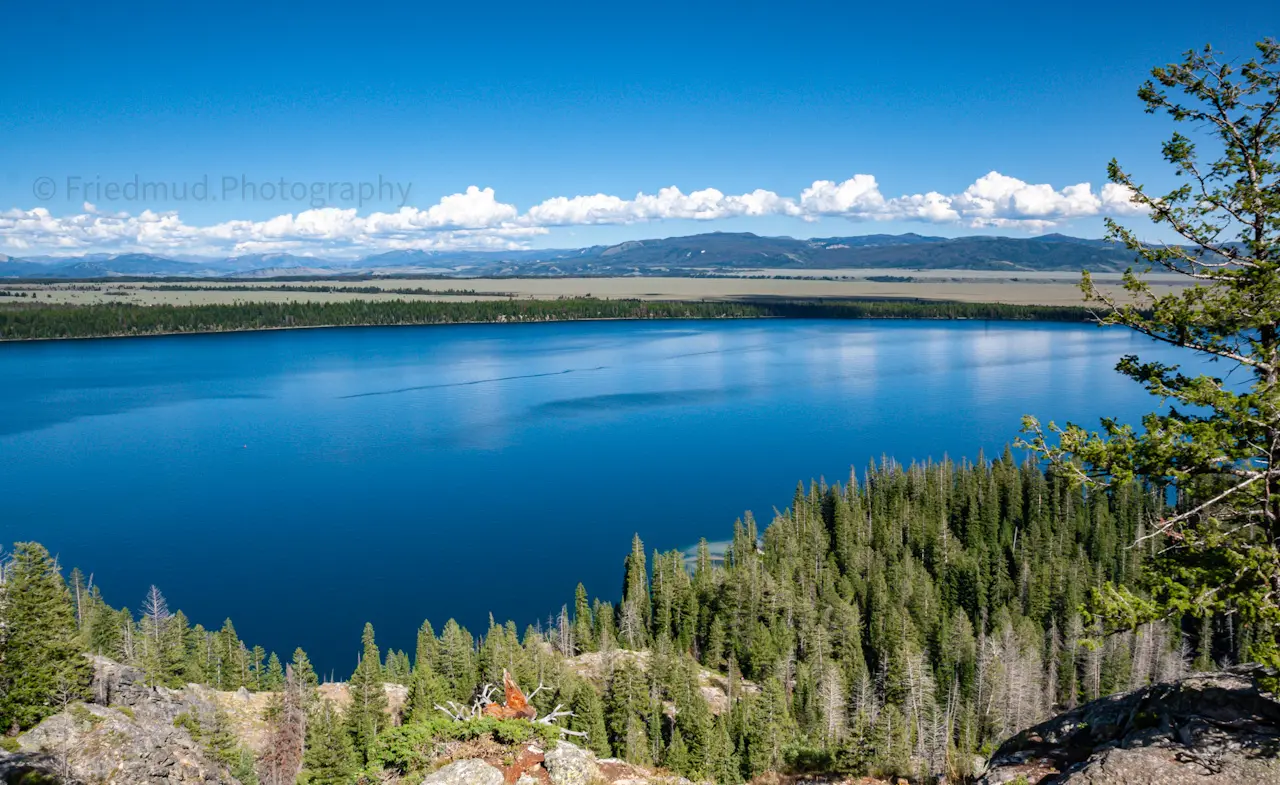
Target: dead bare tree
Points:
(1093, 666)
(1075, 630)
(281, 761)
(564, 632)
(155, 612)
(126, 629)
(1145, 644)
(1053, 653)
(632, 625)
(831, 703)
(1012, 668)
(65, 696)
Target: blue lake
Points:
(304, 482)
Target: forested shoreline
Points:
(46, 322)
(899, 623)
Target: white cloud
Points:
(857, 197)
(932, 207)
(1118, 200)
(476, 219)
(705, 205)
(996, 200)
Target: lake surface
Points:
(304, 482)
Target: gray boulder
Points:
(1206, 729)
(97, 744)
(118, 686)
(125, 735)
(465, 772)
(22, 767)
(571, 765)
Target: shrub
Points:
(414, 747)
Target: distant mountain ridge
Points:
(689, 255)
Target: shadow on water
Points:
(612, 402)
(489, 433)
(16, 420)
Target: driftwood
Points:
(515, 706)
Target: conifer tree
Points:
(195, 668)
(397, 667)
(102, 629)
(626, 709)
(173, 649)
(588, 718)
(257, 667)
(606, 632)
(770, 728)
(303, 670)
(713, 655)
(41, 660)
(216, 734)
(330, 757)
(583, 624)
(693, 717)
(724, 766)
(458, 662)
(229, 658)
(428, 648)
(274, 678)
(1219, 443)
(677, 756)
(633, 626)
(427, 688)
(366, 715)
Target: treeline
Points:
(103, 320)
(896, 624)
(272, 287)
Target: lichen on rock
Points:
(1207, 728)
(465, 772)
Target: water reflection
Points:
(291, 460)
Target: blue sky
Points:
(572, 100)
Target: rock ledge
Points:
(1208, 728)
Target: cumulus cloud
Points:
(477, 219)
(1117, 200)
(857, 197)
(705, 205)
(998, 200)
(471, 219)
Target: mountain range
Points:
(716, 252)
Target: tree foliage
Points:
(1216, 444)
(42, 666)
(122, 319)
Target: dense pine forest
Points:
(899, 623)
(28, 322)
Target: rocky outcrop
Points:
(96, 744)
(1205, 729)
(126, 735)
(571, 765)
(129, 733)
(340, 693)
(597, 667)
(465, 772)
